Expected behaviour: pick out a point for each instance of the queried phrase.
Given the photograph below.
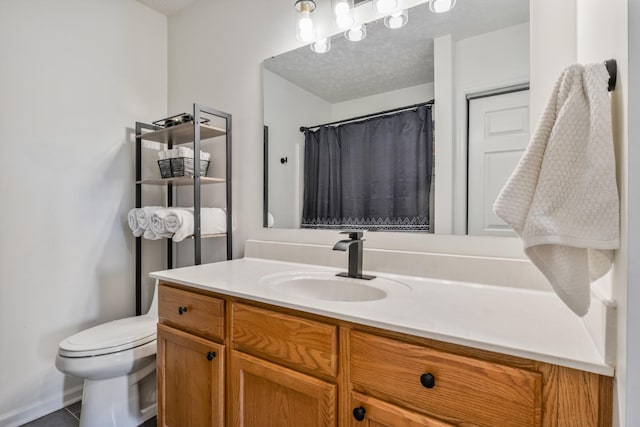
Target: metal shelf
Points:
(181, 134)
(181, 181)
(184, 133)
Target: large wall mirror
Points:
(409, 129)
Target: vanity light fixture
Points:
(441, 6)
(356, 34)
(305, 27)
(321, 46)
(343, 11)
(385, 6)
(397, 19)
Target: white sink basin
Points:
(327, 286)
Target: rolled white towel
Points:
(135, 227)
(157, 223)
(143, 215)
(172, 153)
(205, 156)
(149, 234)
(174, 218)
(212, 221)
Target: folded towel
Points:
(162, 155)
(185, 152)
(562, 199)
(135, 227)
(212, 221)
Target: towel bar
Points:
(612, 68)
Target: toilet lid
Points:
(111, 337)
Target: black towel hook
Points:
(612, 68)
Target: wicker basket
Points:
(181, 166)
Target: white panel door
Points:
(498, 135)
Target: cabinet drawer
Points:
(204, 315)
(300, 342)
(464, 390)
(376, 413)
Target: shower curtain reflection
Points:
(372, 175)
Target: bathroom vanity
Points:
(239, 345)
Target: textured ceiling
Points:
(391, 59)
(166, 7)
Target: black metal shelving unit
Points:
(185, 133)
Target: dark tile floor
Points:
(69, 417)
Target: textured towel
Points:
(132, 219)
(157, 223)
(212, 221)
(143, 215)
(562, 198)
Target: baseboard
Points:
(38, 409)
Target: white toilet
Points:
(118, 363)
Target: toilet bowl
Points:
(118, 362)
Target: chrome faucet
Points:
(354, 245)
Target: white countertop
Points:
(520, 322)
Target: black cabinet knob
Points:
(358, 413)
(428, 380)
(182, 310)
(211, 355)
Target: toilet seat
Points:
(112, 337)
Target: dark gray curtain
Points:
(373, 175)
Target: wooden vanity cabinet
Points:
(191, 364)
(287, 368)
(283, 369)
(371, 412)
(265, 394)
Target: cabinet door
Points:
(190, 380)
(370, 412)
(268, 395)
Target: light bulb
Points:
(321, 46)
(305, 24)
(345, 21)
(305, 28)
(441, 6)
(396, 20)
(341, 8)
(356, 34)
(385, 6)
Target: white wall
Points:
(629, 313)
(382, 101)
(75, 76)
(602, 33)
(588, 31)
(287, 107)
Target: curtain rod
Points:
(366, 116)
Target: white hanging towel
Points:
(562, 198)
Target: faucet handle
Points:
(353, 235)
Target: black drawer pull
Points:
(428, 380)
(182, 310)
(358, 413)
(211, 355)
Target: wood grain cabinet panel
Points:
(191, 373)
(465, 390)
(267, 395)
(302, 343)
(377, 413)
(197, 313)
